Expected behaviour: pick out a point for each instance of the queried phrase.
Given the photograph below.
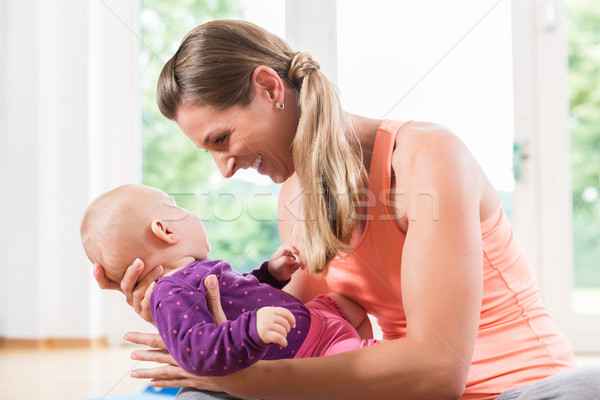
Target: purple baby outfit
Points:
(179, 311)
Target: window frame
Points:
(543, 203)
(542, 197)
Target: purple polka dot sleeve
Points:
(194, 340)
(180, 313)
(263, 275)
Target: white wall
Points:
(44, 171)
(21, 255)
(321, 39)
(3, 154)
(64, 139)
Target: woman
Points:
(396, 216)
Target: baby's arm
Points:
(194, 340)
(278, 271)
(264, 276)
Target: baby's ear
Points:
(161, 231)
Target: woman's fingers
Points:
(145, 303)
(197, 382)
(213, 299)
(162, 372)
(157, 356)
(152, 340)
(103, 281)
(136, 293)
(141, 290)
(167, 383)
(170, 376)
(130, 278)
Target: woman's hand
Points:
(170, 374)
(136, 293)
(213, 299)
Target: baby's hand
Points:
(284, 262)
(274, 323)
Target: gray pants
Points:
(195, 394)
(576, 384)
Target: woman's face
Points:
(257, 136)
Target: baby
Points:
(264, 321)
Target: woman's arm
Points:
(441, 282)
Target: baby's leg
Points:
(355, 314)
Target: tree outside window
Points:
(240, 216)
(583, 20)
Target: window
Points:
(413, 62)
(583, 38)
(240, 214)
(552, 175)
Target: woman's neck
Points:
(364, 130)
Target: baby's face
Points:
(189, 227)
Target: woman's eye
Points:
(221, 139)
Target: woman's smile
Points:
(257, 163)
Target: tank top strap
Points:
(381, 161)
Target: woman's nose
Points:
(227, 165)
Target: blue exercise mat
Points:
(150, 393)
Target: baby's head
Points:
(137, 221)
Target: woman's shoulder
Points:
(416, 135)
(429, 155)
(422, 142)
(423, 149)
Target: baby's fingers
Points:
(273, 324)
(282, 325)
(287, 315)
(276, 335)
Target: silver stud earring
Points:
(280, 106)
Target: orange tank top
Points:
(517, 342)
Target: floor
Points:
(79, 374)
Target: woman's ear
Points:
(162, 232)
(266, 80)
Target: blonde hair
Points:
(214, 66)
(115, 229)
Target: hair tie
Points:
(301, 66)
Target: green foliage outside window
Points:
(583, 18)
(240, 217)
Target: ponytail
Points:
(332, 175)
